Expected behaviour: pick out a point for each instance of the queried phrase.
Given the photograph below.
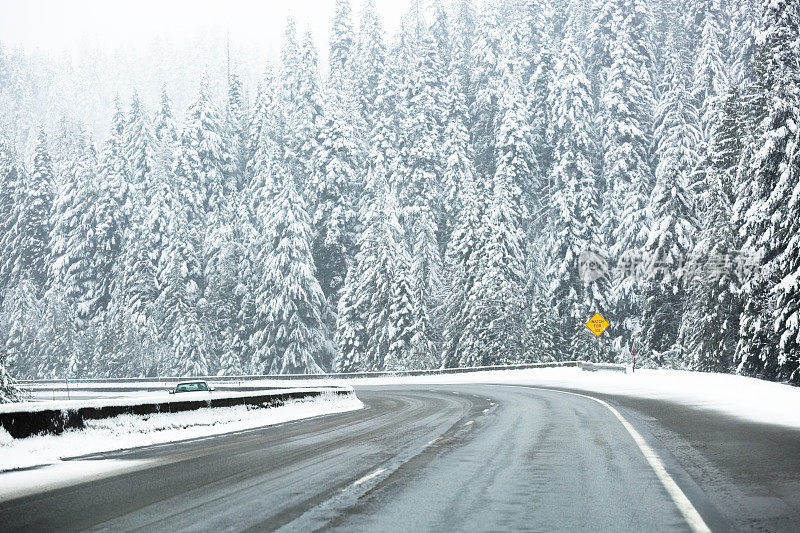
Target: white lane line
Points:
(469, 423)
(690, 514)
(369, 476)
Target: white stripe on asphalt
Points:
(690, 514)
(369, 476)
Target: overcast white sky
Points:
(62, 25)
(100, 49)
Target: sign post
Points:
(633, 368)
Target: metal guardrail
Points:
(594, 367)
(289, 377)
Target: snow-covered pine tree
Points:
(539, 80)
(600, 42)
(625, 116)
(741, 44)
(147, 240)
(463, 36)
(264, 146)
(33, 224)
(222, 257)
(788, 264)
(205, 167)
(289, 109)
(263, 107)
(576, 292)
(180, 299)
(138, 143)
(370, 63)
(307, 119)
(496, 304)
(418, 182)
(691, 20)
(710, 72)
(165, 128)
(115, 194)
(121, 348)
(710, 84)
(239, 353)
(457, 149)
(292, 303)
(9, 390)
(671, 234)
(262, 354)
(389, 320)
(420, 164)
(11, 183)
(440, 31)
(514, 155)
(62, 351)
(771, 187)
(462, 270)
(541, 323)
(20, 341)
(426, 293)
(73, 246)
(374, 327)
(351, 337)
(237, 117)
(342, 43)
(486, 83)
(710, 324)
(288, 80)
(335, 188)
(222, 251)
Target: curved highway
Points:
(448, 458)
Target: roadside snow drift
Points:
(746, 398)
(25, 419)
(129, 431)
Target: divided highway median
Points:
(22, 420)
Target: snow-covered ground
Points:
(128, 431)
(747, 398)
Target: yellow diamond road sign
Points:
(597, 324)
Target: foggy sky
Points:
(59, 26)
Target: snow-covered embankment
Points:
(127, 430)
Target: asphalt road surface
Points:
(449, 458)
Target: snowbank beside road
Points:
(147, 398)
(128, 431)
(747, 398)
(750, 399)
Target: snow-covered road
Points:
(502, 450)
(433, 457)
